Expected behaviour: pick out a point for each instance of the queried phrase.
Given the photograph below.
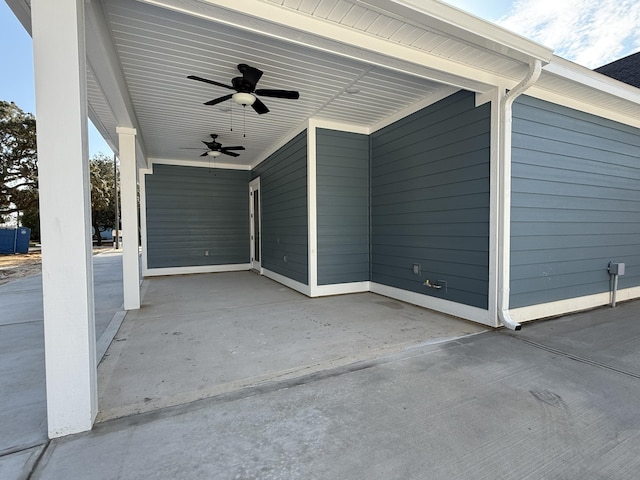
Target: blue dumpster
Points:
(15, 240)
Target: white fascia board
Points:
(294, 27)
(582, 105)
(578, 75)
(571, 305)
(196, 163)
(586, 77)
(103, 62)
(456, 23)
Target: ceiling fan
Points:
(215, 149)
(245, 87)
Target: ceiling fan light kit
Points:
(246, 92)
(243, 98)
(214, 153)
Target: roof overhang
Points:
(400, 54)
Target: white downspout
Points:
(504, 193)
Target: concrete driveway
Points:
(23, 428)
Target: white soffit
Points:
(575, 86)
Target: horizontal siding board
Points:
(191, 210)
(430, 200)
(342, 180)
(575, 203)
(283, 190)
(564, 228)
(592, 127)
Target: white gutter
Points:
(504, 192)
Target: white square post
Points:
(128, 188)
(65, 211)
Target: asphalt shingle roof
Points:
(626, 69)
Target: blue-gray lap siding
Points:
(192, 210)
(575, 203)
(283, 184)
(430, 201)
(342, 173)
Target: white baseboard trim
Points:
(340, 289)
(156, 272)
(459, 310)
(571, 305)
(287, 282)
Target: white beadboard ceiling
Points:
(158, 48)
(395, 55)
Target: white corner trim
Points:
(198, 163)
(312, 208)
(340, 289)
(287, 282)
(340, 126)
(571, 305)
(156, 272)
(442, 93)
(459, 310)
(142, 185)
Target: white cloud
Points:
(589, 32)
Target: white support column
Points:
(128, 189)
(65, 226)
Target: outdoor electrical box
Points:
(616, 268)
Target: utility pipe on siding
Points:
(504, 192)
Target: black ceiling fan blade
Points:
(215, 101)
(233, 148)
(212, 82)
(290, 94)
(259, 107)
(204, 154)
(233, 154)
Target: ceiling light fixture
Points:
(213, 153)
(352, 90)
(243, 98)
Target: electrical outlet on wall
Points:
(206, 253)
(416, 269)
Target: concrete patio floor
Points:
(198, 336)
(496, 405)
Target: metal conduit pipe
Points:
(504, 218)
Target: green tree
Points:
(18, 160)
(103, 206)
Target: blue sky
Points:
(16, 79)
(589, 32)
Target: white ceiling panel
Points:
(157, 50)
